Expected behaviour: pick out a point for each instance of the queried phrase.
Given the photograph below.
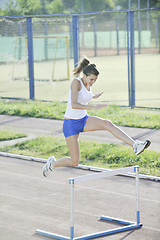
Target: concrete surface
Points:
(28, 201)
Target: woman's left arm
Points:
(97, 95)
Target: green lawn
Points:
(123, 116)
(8, 134)
(92, 153)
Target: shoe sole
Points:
(46, 172)
(147, 144)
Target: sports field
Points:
(113, 80)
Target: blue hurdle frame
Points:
(127, 224)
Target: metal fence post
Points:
(30, 57)
(46, 40)
(20, 41)
(75, 29)
(117, 33)
(95, 37)
(132, 52)
(72, 211)
(159, 32)
(139, 28)
(139, 33)
(128, 58)
(137, 195)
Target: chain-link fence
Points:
(37, 52)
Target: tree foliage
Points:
(55, 6)
(29, 7)
(124, 4)
(33, 7)
(93, 5)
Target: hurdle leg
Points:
(137, 196)
(72, 211)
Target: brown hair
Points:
(87, 68)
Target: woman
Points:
(76, 119)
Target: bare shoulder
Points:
(76, 85)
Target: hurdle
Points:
(127, 224)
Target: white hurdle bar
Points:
(84, 178)
(104, 174)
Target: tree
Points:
(55, 6)
(156, 14)
(124, 4)
(2, 12)
(158, 4)
(29, 7)
(43, 6)
(94, 5)
(10, 9)
(68, 4)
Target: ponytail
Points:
(86, 67)
(82, 64)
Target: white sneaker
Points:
(139, 146)
(48, 166)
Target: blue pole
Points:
(132, 50)
(20, 41)
(81, 6)
(159, 32)
(139, 28)
(138, 218)
(95, 38)
(128, 58)
(70, 40)
(139, 35)
(129, 4)
(45, 40)
(148, 17)
(111, 29)
(30, 57)
(75, 29)
(156, 33)
(117, 30)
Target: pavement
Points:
(35, 127)
(28, 201)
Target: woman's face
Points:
(89, 80)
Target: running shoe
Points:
(48, 166)
(140, 146)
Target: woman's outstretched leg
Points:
(96, 123)
(73, 160)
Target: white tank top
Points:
(84, 96)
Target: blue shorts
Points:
(74, 126)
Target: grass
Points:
(7, 134)
(92, 153)
(123, 116)
(38, 109)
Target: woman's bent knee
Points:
(108, 124)
(74, 163)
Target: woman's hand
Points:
(97, 95)
(99, 106)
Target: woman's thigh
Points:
(73, 146)
(95, 123)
